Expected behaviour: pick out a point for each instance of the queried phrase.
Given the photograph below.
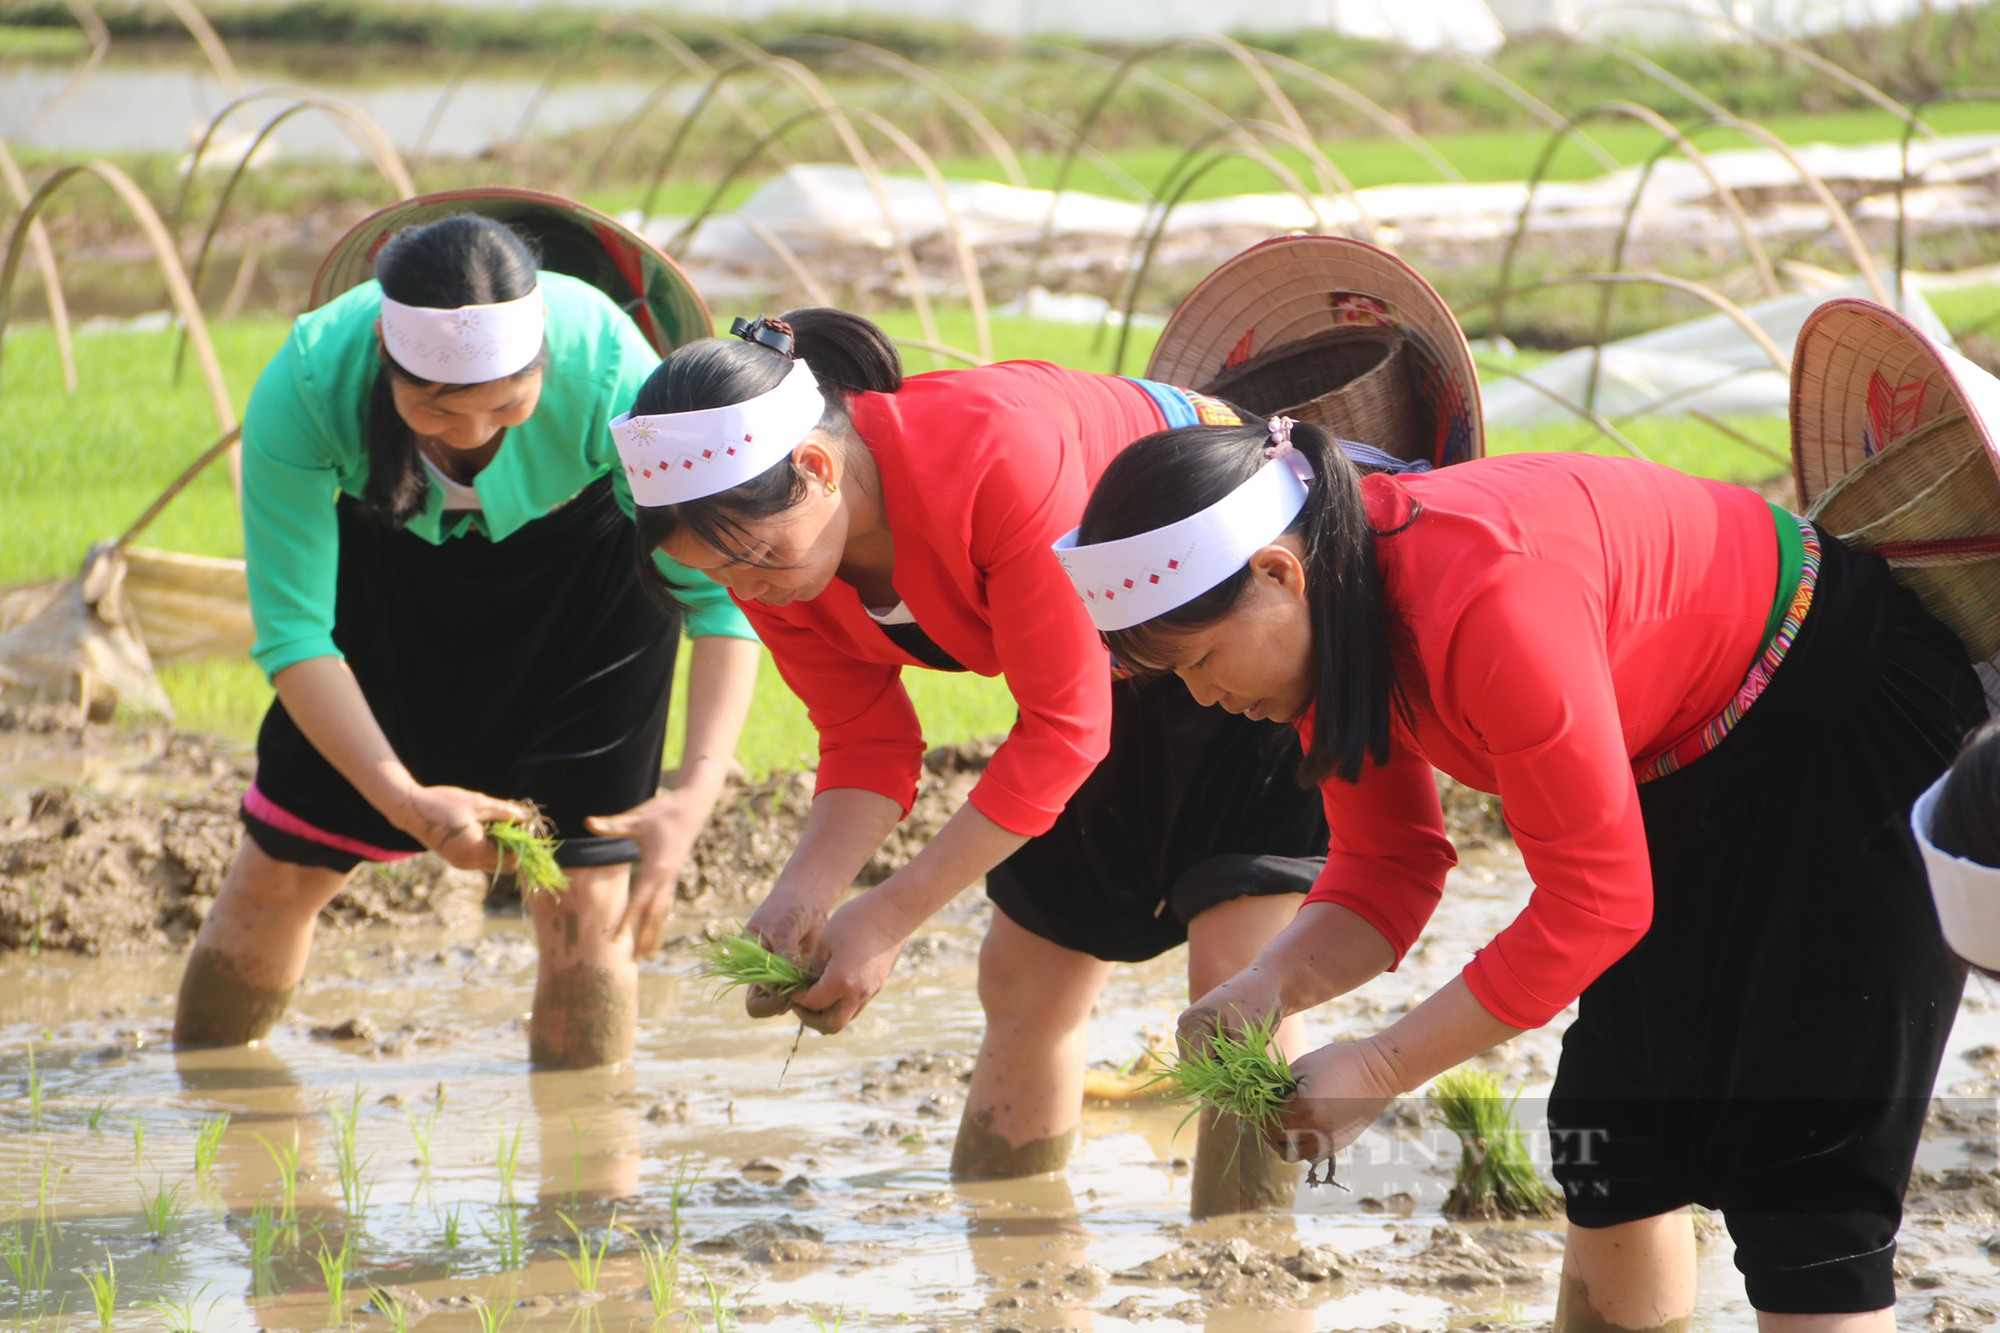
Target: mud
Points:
(801, 1185)
(129, 852)
(981, 1154)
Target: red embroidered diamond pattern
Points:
(1173, 564)
(1152, 578)
(1128, 583)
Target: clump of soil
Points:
(97, 873)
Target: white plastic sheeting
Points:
(815, 207)
(1710, 366)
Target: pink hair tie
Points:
(1281, 436)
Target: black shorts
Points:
(1192, 807)
(533, 667)
(1769, 1048)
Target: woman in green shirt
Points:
(437, 534)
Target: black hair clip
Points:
(772, 333)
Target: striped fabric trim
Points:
(1754, 684)
(283, 820)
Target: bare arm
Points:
(722, 679)
(326, 702)
(1327, 950)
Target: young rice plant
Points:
(1244, 1075)
(734, 960)
(1496, 1174)
(531, 844)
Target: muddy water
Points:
(820, 1193)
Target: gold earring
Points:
(833, 488)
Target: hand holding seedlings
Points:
(789, 920)
(1342, 1089)
(528, 840)
(449, 821)
(857, 950)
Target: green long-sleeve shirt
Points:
(305, 444)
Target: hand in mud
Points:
(1245, 998)
(1343, 1088)
(858, 948)
(788, 921)
(451, 821)
(665, 828)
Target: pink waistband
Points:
(268, 811)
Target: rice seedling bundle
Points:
(1243, 1074)
(533, 848)
(1496, 1174)
(735, 959)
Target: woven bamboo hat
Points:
(1336, 332)
(573, 238)
(1893, 447)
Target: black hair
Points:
(455, 261)
(847, 355)
(1171, 474)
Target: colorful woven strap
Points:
(1776, 646)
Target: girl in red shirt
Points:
(871, 524)
(1706, 721)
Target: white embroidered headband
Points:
(1967, 893)
(470, 345)
(1133, 579)
(680, 456)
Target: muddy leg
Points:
(1234, 1170)
(1634, 1276)
(587, 991)
(252, 949)
(1026, 1098)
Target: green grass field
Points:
(78, 469)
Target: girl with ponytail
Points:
(1706, 721)
(871, 524)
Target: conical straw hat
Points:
(1865, 378)
(573, 238)
(1893, 448)
(1306, 294)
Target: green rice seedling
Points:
(424, 1132)
(179, 1316)
(207, 1140)
(492, 1316)
(391, 1309)
(588, 1263)
(104, 1291)
(661, 1263)
(507, 1158)
(735, 959)
(287, 1160)
(265, 1231)
(530, 843)
(138, 1142)
(34, 1091)
(1496, 1173)
(26, 1256)
(449, 1230)
(161, 1209)
(333, 1271)
(819, 1320)
(1244, 1075)
(506, 1236)
(96, 1117)
(679, 1194)
(354, 1189)
(719, 1311)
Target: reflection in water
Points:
(823, 1192)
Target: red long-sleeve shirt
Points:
(1567, 615)
(981, 471)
